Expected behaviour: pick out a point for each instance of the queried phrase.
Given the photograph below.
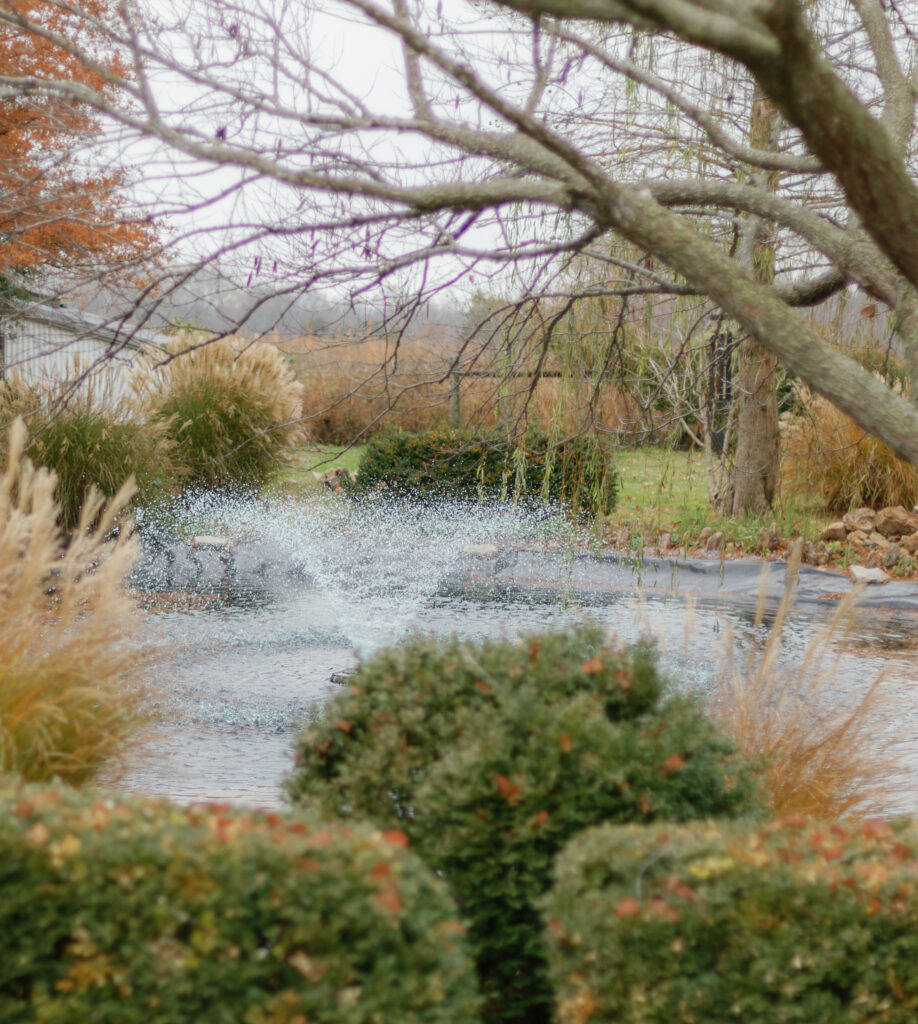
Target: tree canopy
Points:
(59, 207)
(505, 144)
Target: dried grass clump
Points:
(824, 754)
(828, 453)
(69, 696)
(232, 408)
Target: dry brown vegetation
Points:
(827, 453)
(353, 387)
(825, 754)
(70, 696)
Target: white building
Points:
(53, 345)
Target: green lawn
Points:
(297, 478)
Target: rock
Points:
(703, 536)
(891, 556)
(214, 543)
(877, 540)
(810, 553)
(860, 574)
(665, 542)
(768, 538)
(873, 560)
(729, 550)
(714, 542)
(835, 531)
(859, 519)
(482, 550)
(795, 549)
(896, 522)
(340, 678)
(910, 544)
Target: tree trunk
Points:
(755, 471)
(756, 468)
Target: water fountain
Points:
(259, 603)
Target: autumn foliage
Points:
(58, 208)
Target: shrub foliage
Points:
(117, 912)
(491, 756)
(445, 463)
(793, 921)
(231, 408)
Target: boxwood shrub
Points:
(444, 463)
(793, 921)
(125, 911)
(492, 756)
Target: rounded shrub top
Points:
(125, 911)
(407, 706)
(794, 920)
(491, 756)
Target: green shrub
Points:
(127, 911)
(232, 409)
(87, 440)
(793, 921)
(444, 463)
(490, 757)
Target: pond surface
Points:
(274, 598)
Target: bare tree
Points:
(503, 146)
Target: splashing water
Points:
(377, 563)
(260, 601)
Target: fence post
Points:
(455, 399)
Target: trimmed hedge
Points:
(796, 921)
(492, 756)
(122, 911)
(444, 463)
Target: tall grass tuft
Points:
(231, 408)
(827, 452)
(88, 439)
(824, 754)
(70, 699)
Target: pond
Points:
(262, 603)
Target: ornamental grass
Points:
(70, 696)
(826, 452)
(232, 408)
(823, 752)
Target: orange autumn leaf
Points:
(674, 763)
(628, 907)
(539, 820)
(591, 666)
(380, 870)
(507, 789)
(565, 742)
(389, 900)
(396, 837)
